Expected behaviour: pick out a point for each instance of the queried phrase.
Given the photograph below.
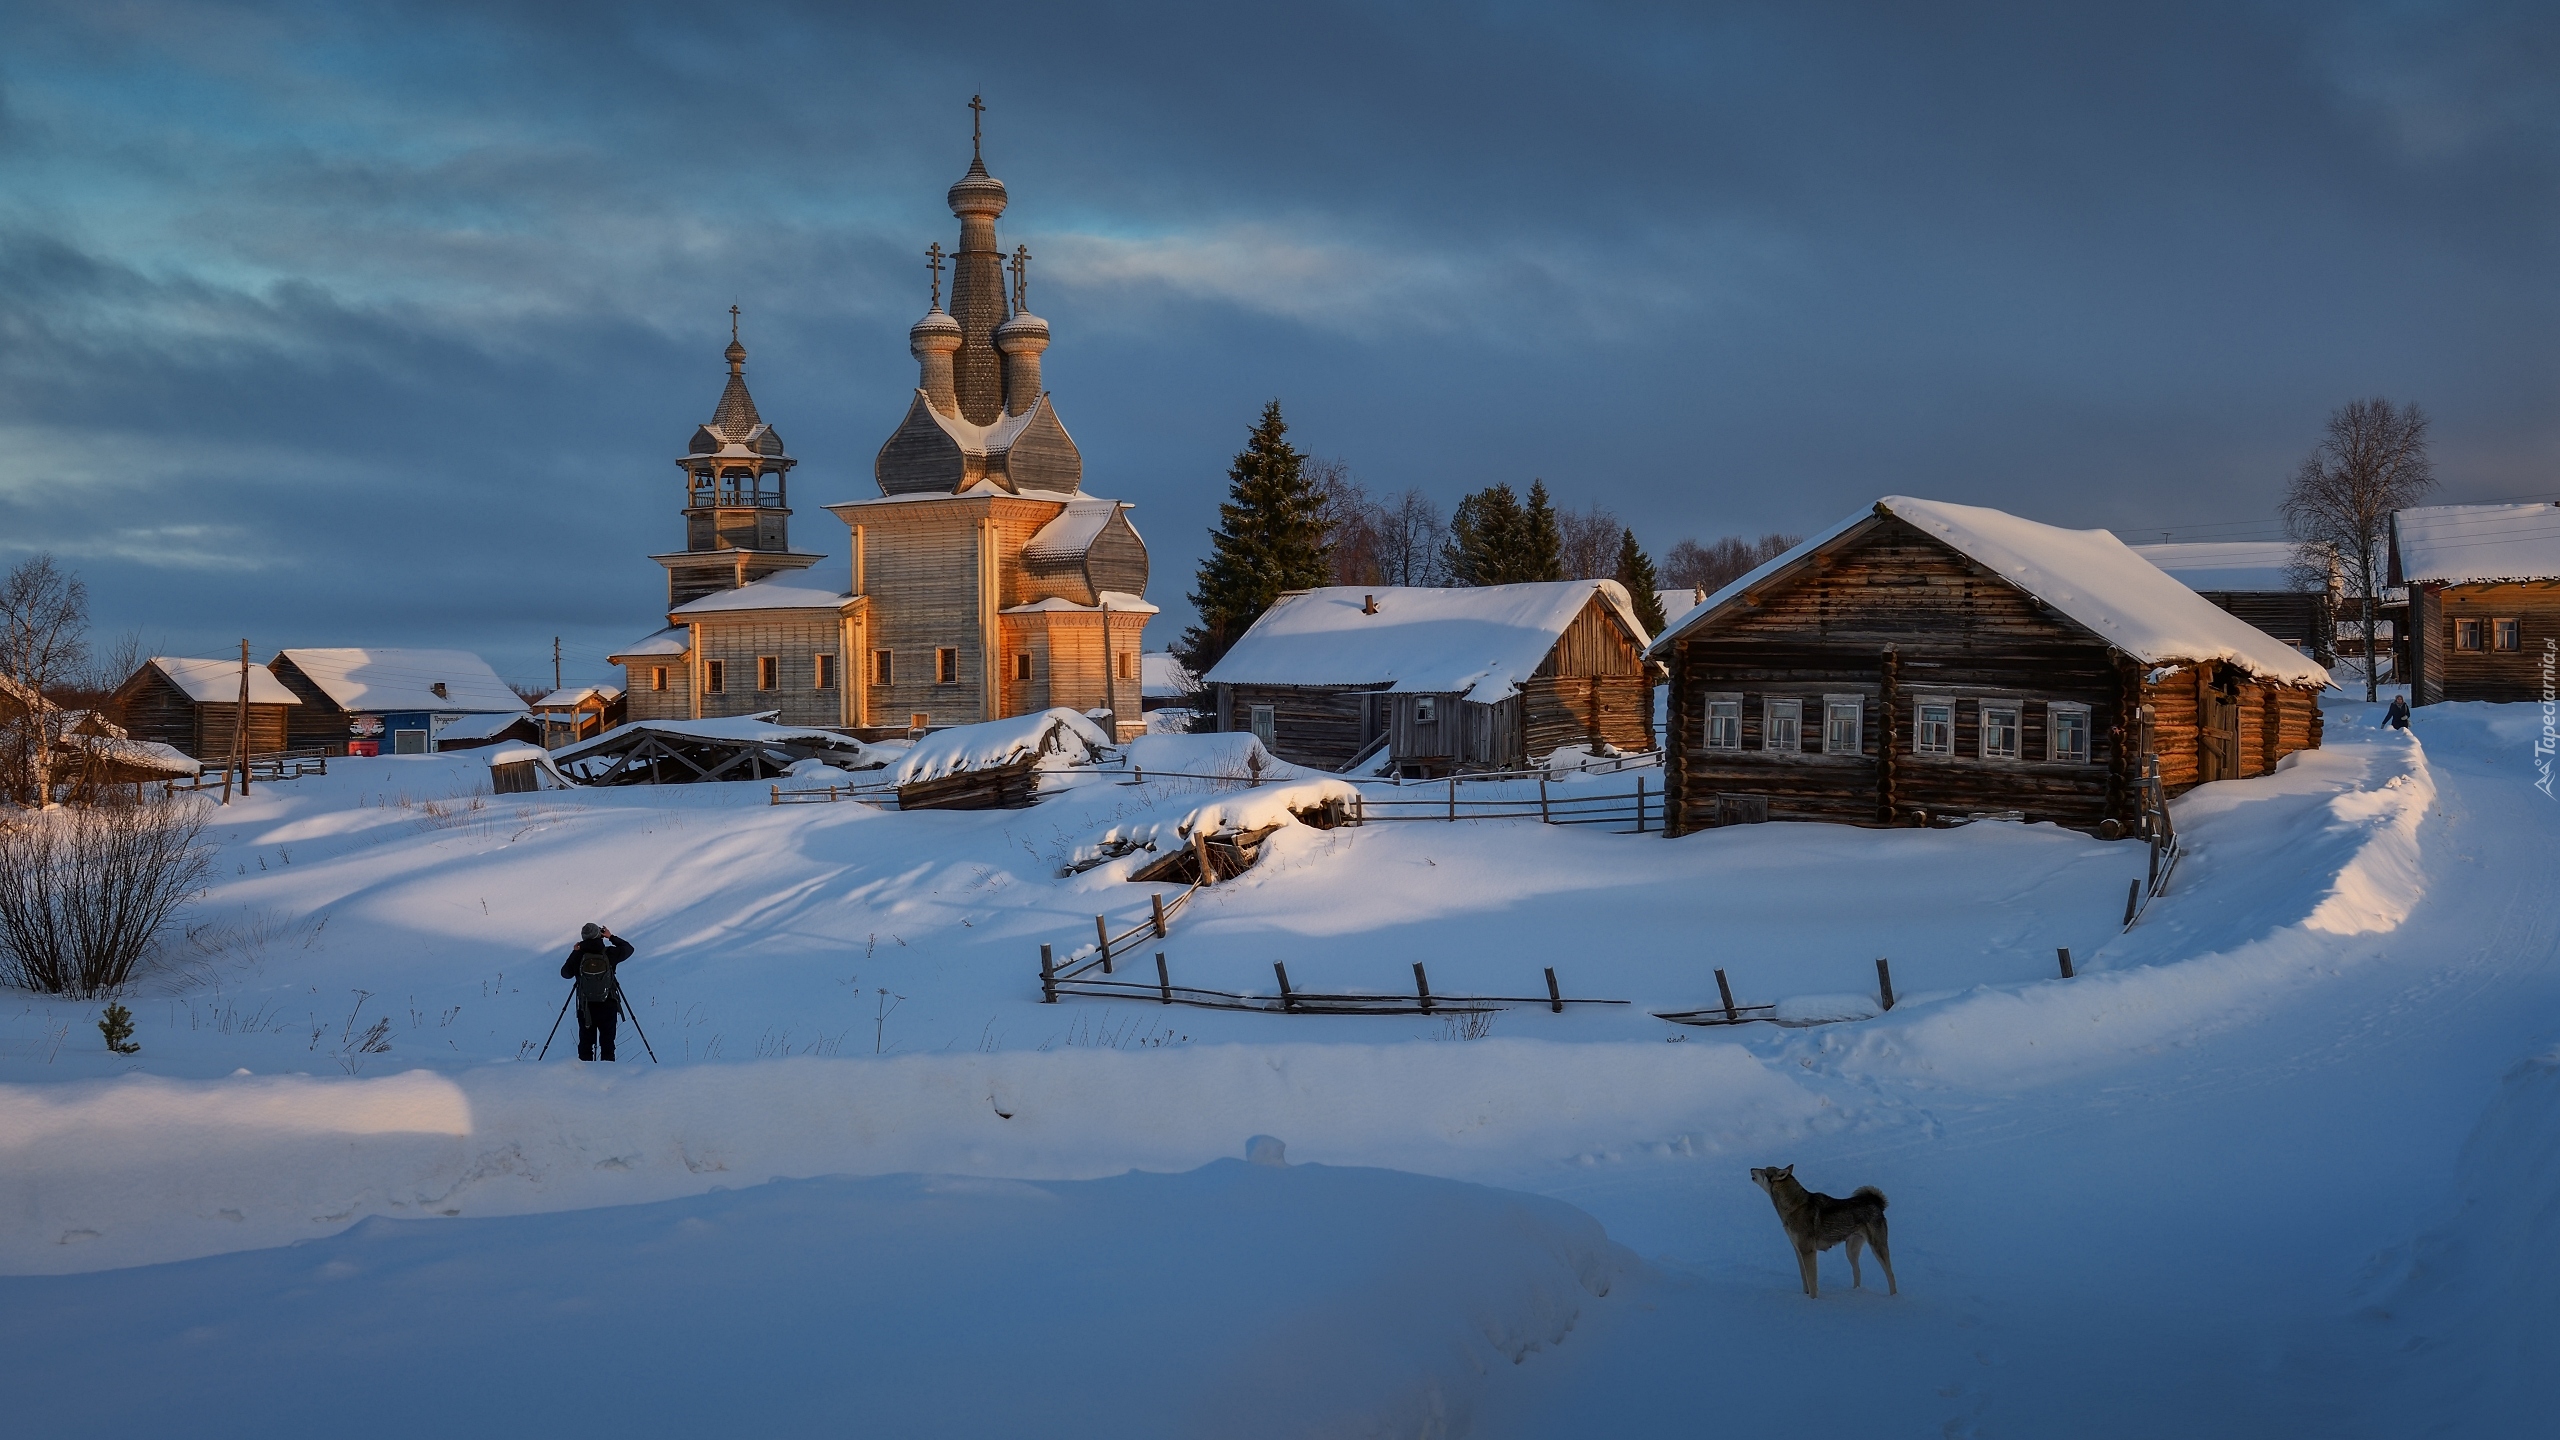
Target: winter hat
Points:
(590, 930)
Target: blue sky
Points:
(345, 324)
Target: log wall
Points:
(2486, 673)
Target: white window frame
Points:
(1723, 712)
(1945, 748)
(2054, 711)
(1782, 717)
(1426, 709)
(2016, 710)
(1265, 721)
(2502, 626)
(1856, 705)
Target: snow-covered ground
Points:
(2279, 1160)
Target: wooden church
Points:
(983, 580)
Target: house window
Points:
(1265, 726)
(919, 721)
(1426, 709)
(946, 666)
(768, 673)
(1843, 719)
(1724, 724)
(657, 677)
(715, 677)
(1782, 725)
(2000, 732)
(823, 676)
(2466, 634)
(1934, 732)
(2506, 634)
(883, 668)
(2067, 735)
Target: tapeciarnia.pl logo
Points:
(2550, 740)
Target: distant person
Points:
(592, 963)
(2398, 716)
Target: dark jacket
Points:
(614, 946)
(2397, 717)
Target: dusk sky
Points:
(382, 324)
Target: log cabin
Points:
(2261, 582)
(397, 702)
(1486, 677)
(190, 706)
(1921, 662)
(2484, 600)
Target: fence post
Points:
(1422, 986)
(2132, 902)
(1639, 804)
(1884, 982)
(1139, 771)
(1164, 982)
(1544, 818)
(1048, 978)
(2063, 954)
(1102, 933)
(1201, 859)
(1157, 900)
(1726, 991)
(1555, 997)
(1287, 1004)
(1453, 797)
(777, 795)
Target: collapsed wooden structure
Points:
(994, 765)
(683, 752)
(1922, 662)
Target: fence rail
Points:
(1290, 1000)
(1643, 810)
(274, 765)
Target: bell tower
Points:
(737, 502)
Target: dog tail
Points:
(1864, 1192)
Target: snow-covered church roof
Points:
(2475, 544)
(1482, 641)
(2089, 576)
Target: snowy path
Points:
(2181, 1194)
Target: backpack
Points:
(595, 973)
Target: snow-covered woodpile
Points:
(995, 765)
(1921, 661)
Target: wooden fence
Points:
(1289, 1000)
(274, 765)
(1641, 811)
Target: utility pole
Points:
(555, 662)
(239, 753)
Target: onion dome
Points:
(936, 331)
(1025, 331)
(977, 193)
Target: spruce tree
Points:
(1270, 538)
(1484, 538)
(1541, 554)
(1635, 571)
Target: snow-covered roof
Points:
(1676, 603)
(2089, 576)
(1162, 674)
(572, 696)
(1485, 639)
(2224, 564)
(480, 726)
(1118, 602)
(218, 681)
(2475, 544)
(748, 728)
(1073, 532)
(148, 755)
(982, 490)
(671, 643)
(1062, 732)
(792, 590)
(390, 680)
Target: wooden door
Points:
(2217, 736)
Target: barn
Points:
(1443, 680)
(191, 706)
(1920, 662)
(2259, 581)
(2484, 599)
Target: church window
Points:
(1124, 664)
(824, 676)
(715, 677)
(768, 672)
(883, 668)
(657, 677)
(1021, 664)
(946, 666)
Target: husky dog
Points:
(1816, 1222)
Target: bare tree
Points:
(2372, 462)
(44, 624)
(1409, 537)
(1350, 522)
(1692, 566)
(1590, 542)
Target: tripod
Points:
(618, 1004)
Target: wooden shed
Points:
(2259, 581)
(189, 705)
(2484, 599)
(1921, 662)
(1476, 678)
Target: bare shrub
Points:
(86, 893)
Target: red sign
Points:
(364, 747)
